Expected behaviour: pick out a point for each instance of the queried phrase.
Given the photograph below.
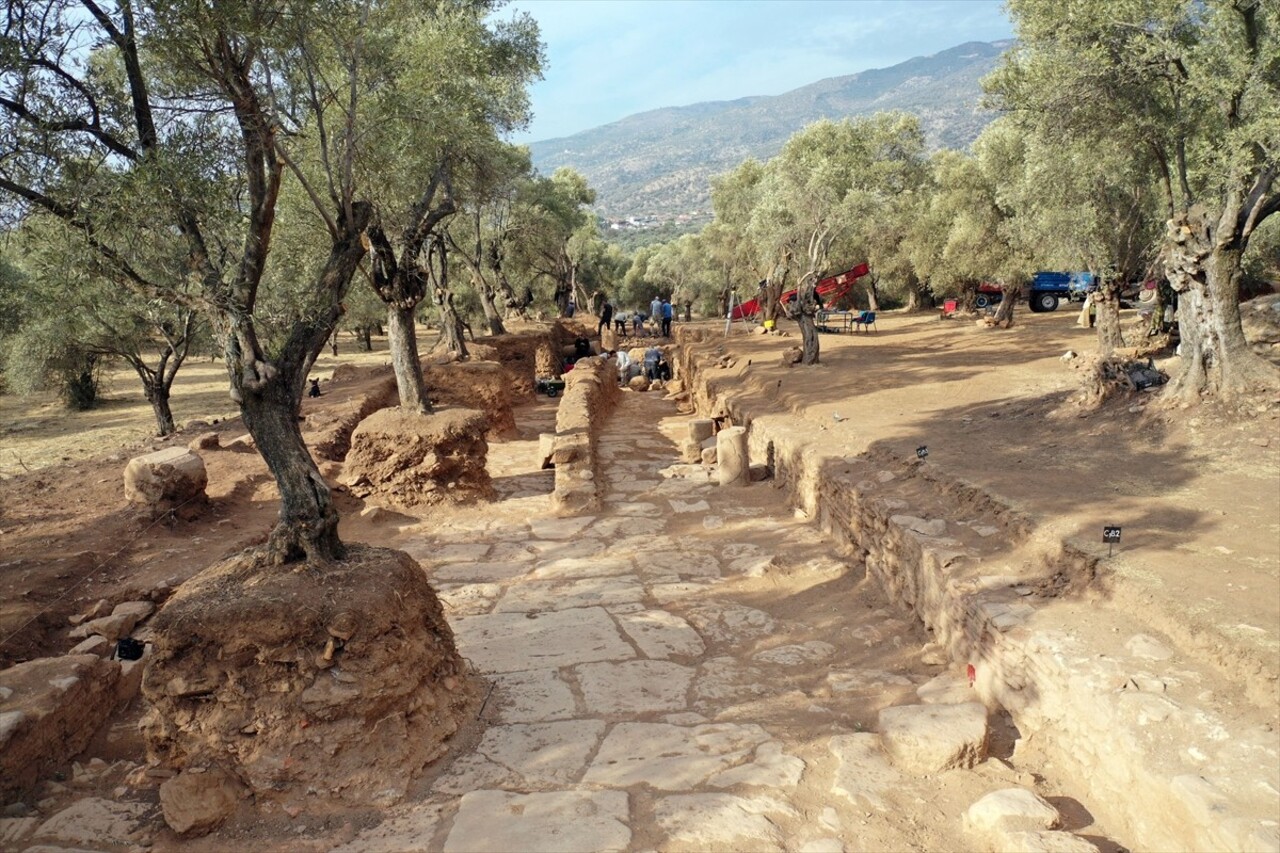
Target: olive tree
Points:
(1196, 84)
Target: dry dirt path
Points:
(691, 667)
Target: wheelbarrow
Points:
(550, 387)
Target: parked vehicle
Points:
(1048, 288)
(1043, 292)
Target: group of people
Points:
(655, 365)
(660, 311)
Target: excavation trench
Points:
(1123, 728)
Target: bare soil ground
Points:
(1197, 493)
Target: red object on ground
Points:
(972, 673)
(830, 289)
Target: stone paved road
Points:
(690, 668)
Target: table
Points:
(845, 319)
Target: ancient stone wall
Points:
(1128, 736)
(590, 396)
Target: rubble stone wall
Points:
(590, 396)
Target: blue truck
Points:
(1048, 288)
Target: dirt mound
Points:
(523, 355)
(483, 385)
(342, 680)
(354, 394)
(408, 459)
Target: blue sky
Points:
(608, 59)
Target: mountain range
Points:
(658, 164)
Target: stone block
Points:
(732, 457)
(708, 456)
(165, 478)
(701, 429)
(932, 738)
(197, 800)
(546, 447)
(1011, 810)
(120, 623)
(1043, 842)
(95, 645)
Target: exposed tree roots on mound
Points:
(339, 681)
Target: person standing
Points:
(655, 312)
(606, 318)
(666, 318)
(652, 356)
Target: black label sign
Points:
(1110, 534)
(922, 451)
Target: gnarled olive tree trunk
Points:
(1203, 266)
(1009, 296)
(402, 341)
(270, 394)
(1106, 299)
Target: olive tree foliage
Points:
(1196, 84)
(971, 231)
(80, 316)
(193, 116)
(547, 215)
(480, 235)
(185, 115)
(816, 200)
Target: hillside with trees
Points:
(660, 162)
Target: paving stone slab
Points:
(695, 822)
(553, 549)
(512, 642)
(661, 635)
(634, 687)
(635, 508)
(478, 572)
(458, 552)
(541, 755)
(610, 529)
(94, 821)
(552, 822)
(933, 738)
(678, 591)
(681, 507)
(770, 768)
(864, 776)
(533, 696)
(410, 829)
(583, 567)
(796, 654)
(559, 528)
(723, 621)
(670, 758)
(725, 679)
(469, 599)
(565, 594)
(684, 565)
